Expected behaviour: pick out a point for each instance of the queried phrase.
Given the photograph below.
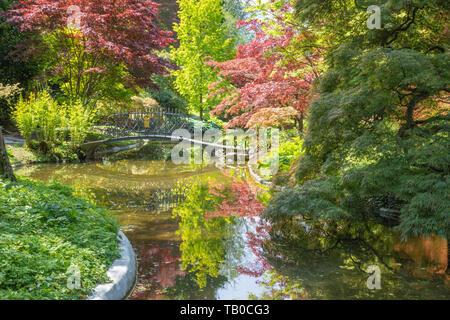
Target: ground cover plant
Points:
(44, 230)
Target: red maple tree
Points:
(117, 31)
(239, 200)
(262, 79)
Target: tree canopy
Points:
(202, 35)
(378, 130)
(83, 42)
(269, 80)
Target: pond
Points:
(198, 234)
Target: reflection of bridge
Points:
(150, 200)
(152, 123)
(148, 193)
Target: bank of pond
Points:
(198, 233)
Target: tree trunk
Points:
(201, 107)
(301, 120)
(5, 166)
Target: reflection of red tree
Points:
(431, 253)
(158, 268)
(241, 200)
(255, 240)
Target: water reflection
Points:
(198, 234)
(330, 261)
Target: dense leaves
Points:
(109, 34)
(379, 128)
(275, 70)
(43, 231)
(202, 35)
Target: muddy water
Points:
(197, 234)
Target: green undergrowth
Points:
(44, 230)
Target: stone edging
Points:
(261, 181)
(122, 273)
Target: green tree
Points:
(234, 11)
(378, 132)
(202, 35)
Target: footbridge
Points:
(155, 124)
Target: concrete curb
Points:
(263, 182)
(122, 273)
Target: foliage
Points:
(51, 122)
(275, 70)
(204, 125)
(167, 13)
(40, 113)
(143, 101)
(7, 92)
(90, 58)
(380, 125)
(287, 153)
(202, 36)
(234, 11)
(43, 231)
(204, 242)
(79, 121)
(167, 95)
(239, 200)
(274, 117)
(12, 72)
(7, 95)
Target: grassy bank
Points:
(43, 231)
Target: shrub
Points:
(52, 122)
(79, 121)
(144, 101)
(25, 119)
(205, 125)
(7, 92)
(50, 117)
(288, 152)
(40, 114)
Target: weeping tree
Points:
(378, 135)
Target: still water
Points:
(198, 234)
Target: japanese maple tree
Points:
(269, 80)
(86, 41)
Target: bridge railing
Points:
(162, 122)
(145, 121)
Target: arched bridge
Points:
(152, 123)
